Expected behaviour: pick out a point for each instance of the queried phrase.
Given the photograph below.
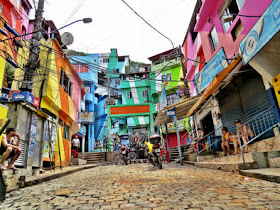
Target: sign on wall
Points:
(119, 110)
(171, 126)
(86, 117)
(264, 30)
(32, 135)
(276, 86)
(210, 70)
(162, 100)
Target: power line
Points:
(148, 23)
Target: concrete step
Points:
(269, 174)
(274, 162)
(231, 158)
(230, 167)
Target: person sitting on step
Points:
(245, 133)
(196, 140)
(227, 138)
(9, 148)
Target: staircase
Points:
(94, 157)
(174, 153)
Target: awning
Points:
(182, 107)
(213, 85)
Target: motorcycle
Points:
(154, 155)
(124, 155)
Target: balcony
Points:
(166, 64)
(135, 83)
(89, 97)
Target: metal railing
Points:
(259, 125)
(207, 137)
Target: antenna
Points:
(67, 39)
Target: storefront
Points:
(260, 49)
(244, 98)
(29, 123)
(183, 127)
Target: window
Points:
(87, 89)
(106, 60)
(80, 68)
(25, 7)
(166, 77)
(117, 81)
(171, 99)
(145, 93)
(236, 31)
(116, 71)
(213, 37)
(228, 11)
(66, 132)
(65, 82)
(121, 59)
(128, 94)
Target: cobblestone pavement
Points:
(139, 186)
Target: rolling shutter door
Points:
(242, 99)
(230, 106)
(23, 127)
(253, 95)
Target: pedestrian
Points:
(76, 143)
(9, 148)
(228, 138)
(200, 136)
(245, 133)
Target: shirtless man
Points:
(200, 136)
(245, 133)
(9, 148)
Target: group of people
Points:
(228, 137)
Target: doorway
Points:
(207, 124)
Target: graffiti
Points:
(32, 135)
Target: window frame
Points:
(211, 40)
(128, 94)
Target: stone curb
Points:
(38, 180)
(271, 178)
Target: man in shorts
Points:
(9, 148)
(196, 140)
(245, 133)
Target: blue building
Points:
(87, 68)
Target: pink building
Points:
(231, 65)
(218, 25)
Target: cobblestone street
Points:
(139, 186)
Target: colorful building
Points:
(230, 89)
(59, 90)
(168, 65)
(14, 21)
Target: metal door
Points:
(38, 146)
(23, 127)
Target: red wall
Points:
(173, 139)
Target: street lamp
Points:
(85, 20)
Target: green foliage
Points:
(73, 52)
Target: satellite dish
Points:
(67, 38)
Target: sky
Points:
(116, 26)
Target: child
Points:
(227, 138)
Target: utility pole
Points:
(33, 60)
